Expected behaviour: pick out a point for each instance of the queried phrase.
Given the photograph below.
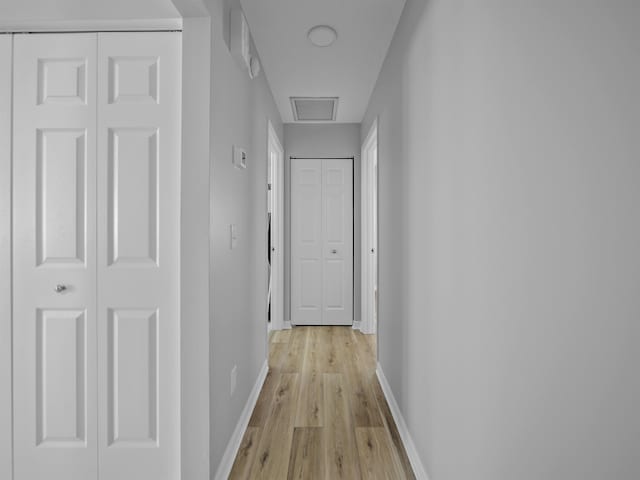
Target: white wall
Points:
(240, 108)
(322, 140)
(509, 236)
(5, 257)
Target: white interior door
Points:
(54, 185)
(369, 250)
(138, 264)
(306, 242)
(96, 259)
(322, 241)
(373, 237)
(337, 233)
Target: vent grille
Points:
(314, 109)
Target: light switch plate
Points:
(239, 157)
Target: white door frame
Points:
(368, 237)
(6, 365)
(275, 162)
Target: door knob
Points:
(61, 288)
(334, 251)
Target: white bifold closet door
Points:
(322, 241)
(96, 266)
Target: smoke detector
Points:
(322, 35)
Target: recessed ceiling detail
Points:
(322, 35)
(314, 109)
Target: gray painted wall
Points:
(322, 140)
(240, 108)
(509, 233)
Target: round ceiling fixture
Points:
(322, 35)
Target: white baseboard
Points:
(416, 463)
(236, 438)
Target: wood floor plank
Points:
(311, 400)
(314, 360)
(358, 378)
(294, 354)
(246, 455)
(310, 412)
(272, 460)
(365, 351)
(378, 457)
(393, 430)
(307, 454)
(265, 400)
(328, 356)
(341, 459)
(277, 354)
(281, 336)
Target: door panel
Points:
(133, 379)
(60, 196)
(322, 242)
(337, 217)
(138, 218)
(61, 388)
(54, 171)
(132, 192)
(306, 242)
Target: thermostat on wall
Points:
(239, 157)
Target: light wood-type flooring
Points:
(321, 413)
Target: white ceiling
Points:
(26, 12)
(348, 69)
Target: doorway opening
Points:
(369, 238)
(275, 230)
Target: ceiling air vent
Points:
(314, 109)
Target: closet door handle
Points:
(61, 288)
(334, 251)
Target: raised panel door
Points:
(322, 242)
(337, 221)
(306, 242)
(54, 321)
(138, 255)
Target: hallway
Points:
(321, 412)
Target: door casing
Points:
(6, 428)
(369, 240)
(275, 160)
